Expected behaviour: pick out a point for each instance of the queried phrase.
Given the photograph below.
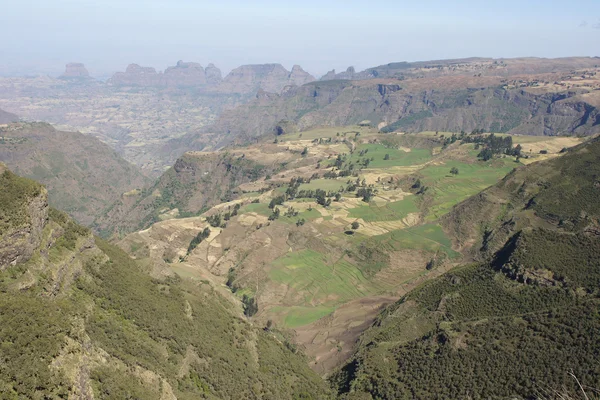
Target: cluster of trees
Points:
(250, 305)
(366, 193)
(498, 338)
(219, 220)
(214, 220)
(493, 145)
(198, 239)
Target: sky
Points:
(41, 36)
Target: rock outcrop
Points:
(136, 75)
(299, 77)
(75, 70)
(213, 74)
(183, 74)
(23, 215)
(412, 109)
(268, 77)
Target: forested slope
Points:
(517, 322)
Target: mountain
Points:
(80, 319)
(267, 77)
(6, 117)
(183, 74)
(75, 71)
(196, 181)
(83, 175)
(518, 322)
(474, 65)
(246, 79)
(561, 103)
(316, 231)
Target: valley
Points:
(412, 230)
(343, 222)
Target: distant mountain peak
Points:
(75, 70)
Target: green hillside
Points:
(80, 318)
(515, 325)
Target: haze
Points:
(41, 36)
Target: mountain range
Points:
(413, 230)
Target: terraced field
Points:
(308, 262)
(449, 189)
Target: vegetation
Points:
(517, 324)
(142, 327)
(15, 195)
(205, 233)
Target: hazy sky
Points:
(43, 35)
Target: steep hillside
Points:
(6, 117)
(83, 175)
(268, 77)
(563, 103)
(196, 182)
(246, 79)
(343, 222)
(522, 321)
(80, 319)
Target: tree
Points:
(386, 157)
(355, 225)
(454, 171)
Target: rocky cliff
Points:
(23, 215)
(440, 104)
(75, 70)
(136, 75)
(213, 74)
(183, 74)
(268, 77)
(247, 79)
(196, 181)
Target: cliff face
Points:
(196, 181)
(407, 108)
(268, 111)
(247, 79)
(213, 74)
(268, 77)
(184, 74)
(23, 215)
(136, 75)
(75, 70)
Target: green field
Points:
(397, 157)
(391, 211)
(259, 208)
(448, 190)
(429, 237)
(306, 215)
(322, 286)
(324, 184)
(300, 316)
